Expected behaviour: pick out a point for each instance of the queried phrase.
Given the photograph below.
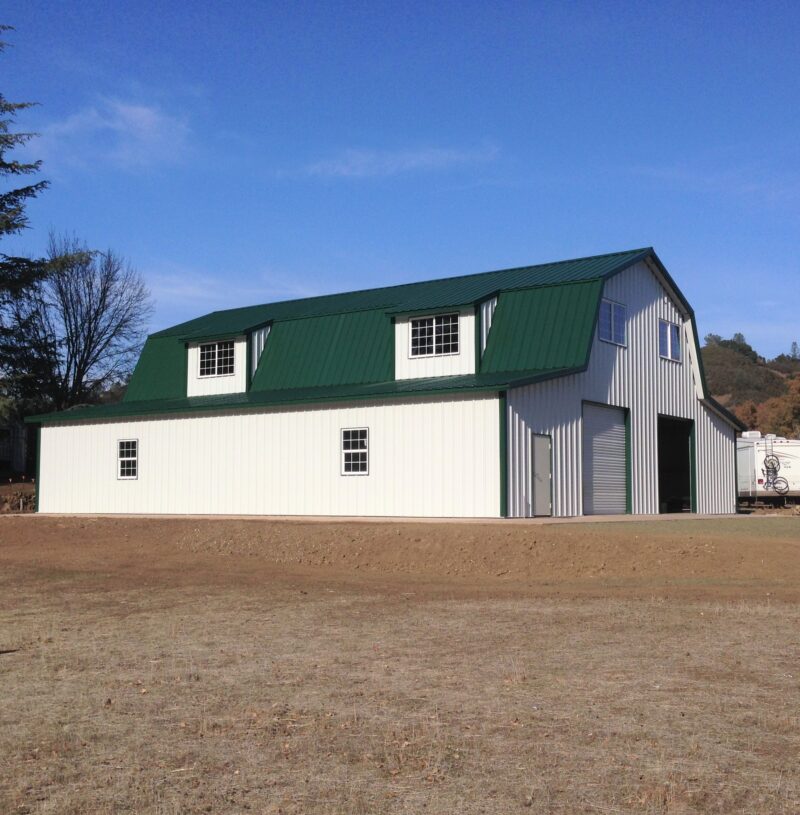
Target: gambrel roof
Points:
(340, 347)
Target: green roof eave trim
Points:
(221, 337)
(421, 312)
(254, 400)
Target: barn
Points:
(565, 389)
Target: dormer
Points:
(435, 343)
(216, 366)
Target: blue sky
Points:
(243, 152)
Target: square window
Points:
(434, 336)
(217, 358)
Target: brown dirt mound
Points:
(746, 554)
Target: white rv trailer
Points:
(768, 467)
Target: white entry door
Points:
(604, 461)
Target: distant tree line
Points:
(764, 394)
(71, 323)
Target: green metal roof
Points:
(543, 328)
(160, 372)
(338, 349)
(341, 347)
(347, 339)
(408, 297)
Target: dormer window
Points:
(434, 336)
(217, 359)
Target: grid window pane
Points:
(422, 337)
(224, 358)
(128, 459)
(208, 359)
(355, 451)
(447, 334)
(217, 358)
(675, 343)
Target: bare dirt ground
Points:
(187, 666)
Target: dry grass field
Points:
(181, 666)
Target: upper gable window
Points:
(434, 336)
(613, 317)
(669, 341)
(217, 358)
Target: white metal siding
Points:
(210, 385)
(604, 476)
(258, 339)
(408, 367)
(437, 457)
(487, 314)
(634, 377)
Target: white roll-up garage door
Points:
(604, 471)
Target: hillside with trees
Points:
(765, 394)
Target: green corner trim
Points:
(735, 474)
(693, 465)
(503, 443)
(628, 464)
(37, 486)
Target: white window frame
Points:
(216, 345)
(342, 452)
(434, 317)
(670, 357)
(120, 459)
(611, 340)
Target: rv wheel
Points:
(780, 485)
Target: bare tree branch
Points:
(83, 325)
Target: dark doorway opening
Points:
(675, 459)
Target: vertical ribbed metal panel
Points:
(633, 377)
(487, 313)
(432, 457)
(258, 339)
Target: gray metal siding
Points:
(633, 377)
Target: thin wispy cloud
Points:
(357, 163)
(766, 184)
(127, 135)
